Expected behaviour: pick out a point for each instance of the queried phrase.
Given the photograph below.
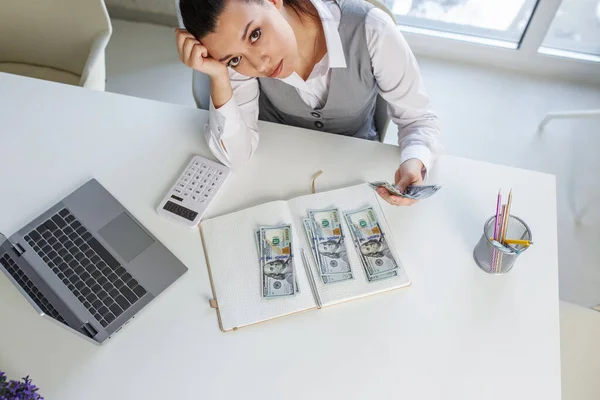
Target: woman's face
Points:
(254, 39)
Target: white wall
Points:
(153, 6)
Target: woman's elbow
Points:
(230, 156)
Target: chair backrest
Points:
(201, 89)
(52, 33)
(382, 120)
(200, 81)
(381, 117)
(383, 7)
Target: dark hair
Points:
(200, 16)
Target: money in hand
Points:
(371, 244)
(415, 192)
(276, 261)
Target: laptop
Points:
(88, 264)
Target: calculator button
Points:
(209, 175)
(197, 177)
(212, 170)
(177, 190)
(204, 167)
(209, 190)
(189, 189)
(189, 174)
(185, 180)
(220, 173)
(194, 183)
(213, 184)
(197, 191)
(196, 164)
(193, 169)
(217, 178)
(205, 181)
(186, 194)
(195, 197)
(206, 195)
(202, 201)
(181, 185)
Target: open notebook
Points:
(233, 258)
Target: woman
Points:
(316, 64)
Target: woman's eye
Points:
(234, 62)
(255, 35)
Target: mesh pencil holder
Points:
(494, 258)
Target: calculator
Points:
(193, 191)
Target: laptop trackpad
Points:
(125, 237)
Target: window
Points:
(557, 38)
(498, 22)
(575, 30)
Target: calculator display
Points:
(181, 211)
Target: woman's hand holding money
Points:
(410, 173)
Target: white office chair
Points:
(578, 213)
(201, 85)
(56, 40)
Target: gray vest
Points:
(352, 90)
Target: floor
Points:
(580, 364)
(485, 114)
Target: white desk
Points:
(457, 333)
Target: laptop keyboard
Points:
(90, 272)
(30, 288)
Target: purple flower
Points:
(18, 390)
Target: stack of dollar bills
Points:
(415, 192)
(371, 244)
(324, 231)
(278, 275)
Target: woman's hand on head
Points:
(193, 54)
(409, 173)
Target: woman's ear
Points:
(277, 3)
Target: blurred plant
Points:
(18, 390)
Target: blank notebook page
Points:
(348, 199)
(233, 259)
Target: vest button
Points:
(315, 114)
(318, 124)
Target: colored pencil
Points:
(496, 228)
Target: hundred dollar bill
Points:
(421, 192)
(257, 237)
(329, 241)
(385, 275)
(370, 242)
(387, 186)
(311, 238)
(337, 277)
(416, 192)
(276, 261)
(325, 278)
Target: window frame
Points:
(527, 56)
